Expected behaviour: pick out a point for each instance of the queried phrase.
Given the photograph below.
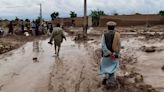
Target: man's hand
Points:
(112, 56)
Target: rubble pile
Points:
(5, 47)
(148, 49)
(162, 68)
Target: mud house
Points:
(77, 22)
(132, 20)
(122, 20)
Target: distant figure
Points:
(22, 26)
(11, 28)
(33, 27)
(1, 31)
(28, 26)
(37, 28)
(44, 28)
(110, 45)
(57, 36)
(51, 27)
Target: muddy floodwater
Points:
(148, 64)
(18, 71)
(35, 68)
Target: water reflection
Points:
(36, 47)
(58, 61)
(59, 65)
(23, 50)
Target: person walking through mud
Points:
(110, 45)
(22, 26)
(11, 27)
(57, 36)
(51, 28)
(33, 27)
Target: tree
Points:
(16, 19)
(73, 14)
(38, 20)
(54, 15)
(95, 14)
(161, 13)
(6, 20)
(116, 14)
(138, 13)
(27, 20)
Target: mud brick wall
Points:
(79, 21)
(68, 21)
(132, 20)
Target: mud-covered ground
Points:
(10, 42)
(77, 67)
(142, 57)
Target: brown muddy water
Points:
(18, 71)
(148, 64)
(35, 68)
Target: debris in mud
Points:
(26, 34)
(122, 47)
(139, 78)
(98, 53)
(78, 37)
(14, 74)
(35, 59)
(134, 84)
(132, 30)
(162, 68)
(148, 49)
(1, 87)
(4, 47)
(131, 59)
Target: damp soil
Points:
(35, 68)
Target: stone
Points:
(148, 49)
(35, 59)
(138, 79)
(162, 68)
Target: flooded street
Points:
(35, 68)
(19, 73)
(148, 64)
(73, 71)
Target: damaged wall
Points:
(132, 20)
(78, 21)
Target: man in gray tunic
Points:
(57, 36)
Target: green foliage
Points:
(38, 20)
(54, 15)
(95, 14)
(27, 20)
(116, 14)
(73, 14)
(161, 13)
(138, 14)
(17, 19)
(6, 20)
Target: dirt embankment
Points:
(11, 42)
